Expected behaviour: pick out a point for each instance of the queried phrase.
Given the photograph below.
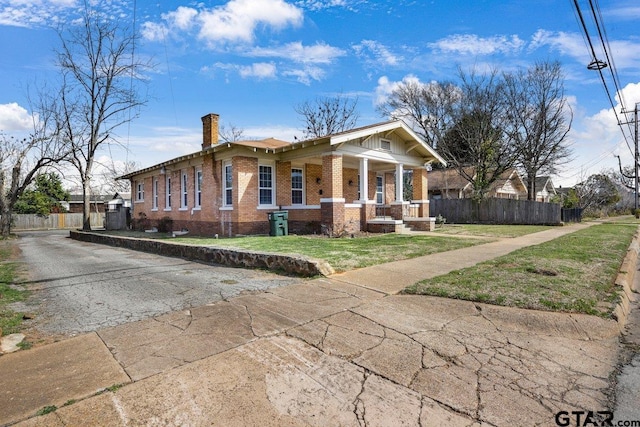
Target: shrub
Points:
(165, 224)
(141, 223)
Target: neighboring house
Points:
(545, 191)
(76, 202)
(450, 184)
(331, 183)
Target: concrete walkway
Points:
(344, 350)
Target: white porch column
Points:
(399, 183)
(364, 180)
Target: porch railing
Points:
(410, 211)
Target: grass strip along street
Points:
(10, 321)
(574, 273)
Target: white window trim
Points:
(273, 184)
(167, 193)
(197, 189)
(382, 190)
(139, 191)
(184, 191)
(154, 189)
(301, 190)
(226, 165)
(384, 141)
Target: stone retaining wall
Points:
(625, 280)
(297, 265)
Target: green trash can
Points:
(278, 223)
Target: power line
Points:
(598, 65)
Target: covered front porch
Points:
(360, 180)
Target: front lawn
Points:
(490, 230)
(343, 254)
(574, 273)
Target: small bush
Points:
(141, 223)
(165, 224)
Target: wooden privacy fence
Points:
(495, 211)
(54, 221)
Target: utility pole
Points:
(635, 153)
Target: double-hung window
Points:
(265, 186)
(167, 193)
(183, 190)
(139, 191)
(198, 188)
(155, 194)
(379, 190)
(297, 195)
(228, 185)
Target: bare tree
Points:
(597, 192)
(327, 115)
(539, 119)
(106, 181)
(476, 144)
(231, 133)
(424, 106)
(99, 75)
(22, 159)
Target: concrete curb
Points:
(290, 264)
(624, 280)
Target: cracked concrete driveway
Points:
(81, 287)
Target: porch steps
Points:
(404, 229)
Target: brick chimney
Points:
(210, 130)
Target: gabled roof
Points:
(543, 182)
(452, 179)
(448, 179)
(268, 143)
(275, 145)
(391, 126)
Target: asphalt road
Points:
(81, 287)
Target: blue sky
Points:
(252, 61)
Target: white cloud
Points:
(306, 75)
(49, 13)
(182, 18)
(386, 87)
(261, 70)
(471, 44)
(570, 44)
(238, 20)
(153, 31)
(376, 53)
(235, 22)
(13, 118)
(598, 138)
(624, 13)
(320, 53)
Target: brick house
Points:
(333, 183)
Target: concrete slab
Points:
(277, 381)
(54, 374)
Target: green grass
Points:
(342, 254)
(574, 273)
(490, 230)
(10, 321)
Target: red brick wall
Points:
(332, 176)
(283, 183)
(420, 184)
(350, 191)
(389, 188)
(312, 173)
